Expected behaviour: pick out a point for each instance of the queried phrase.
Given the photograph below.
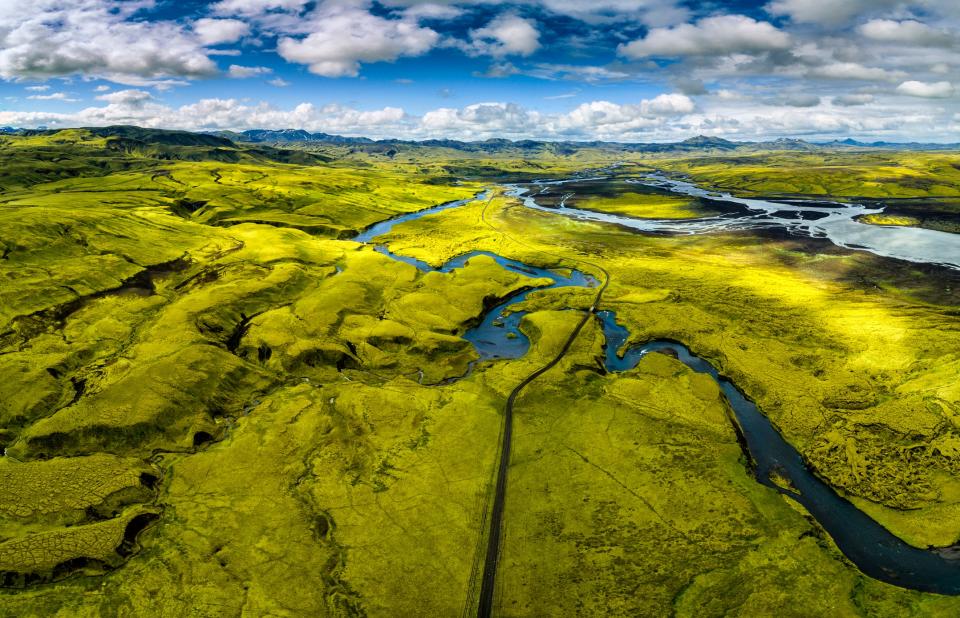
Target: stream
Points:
(870, 546)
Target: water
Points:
(498, 336)
(821, 219)
(384, 227)
(867, 544)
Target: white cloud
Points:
(596, 119)
(666, 117)
(56, 96)
(797, 100)
(95, 38)
(250, 8)
(653, 13)
(826, 12)
(433, 10)
(101, 88)
(576, 72)
(725, 34)
(606, 116)
(37, 88)
(908, 31)
(132, 97)
(241, 72)
(851, 100)
(480, 120)
(506, 35)
(343, 35)
(854, 71)
(935, 90)
(219, 31)
(279, 82)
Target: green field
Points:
(212, 402)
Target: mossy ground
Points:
(195, 341)
(833, 174)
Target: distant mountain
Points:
(702, 141)
(499, 145)
(289, 135)
(852, 143)
(693, 144)
(128, 137)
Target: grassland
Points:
(213, 404)
(836, 174)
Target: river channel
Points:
(870, 546)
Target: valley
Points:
(246, 379)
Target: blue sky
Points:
(625, 70)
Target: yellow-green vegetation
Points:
(646, 206)
(855, 365)
(831, 174)
(884, 219)
(213, 404)
(629, 496)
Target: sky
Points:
(615, 70)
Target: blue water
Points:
(870, 546)
(498, 336)
(384, 227)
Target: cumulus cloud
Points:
(596, 119)
(666, 117)
(653, 13)
(853, 71)
(935, 90)
(131, 98)
(506, 35)
(250, 8)
(909, 31)
(826, 12)
(52, 38)
(433, 10)
(481, 119)
(343, 35)
(279, 82)
(725, 34)
(219, 31)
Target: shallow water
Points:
(833, 221)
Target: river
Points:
(870, 546)
(832, 221)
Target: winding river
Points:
(874, 550)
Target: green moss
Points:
(196, 340)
